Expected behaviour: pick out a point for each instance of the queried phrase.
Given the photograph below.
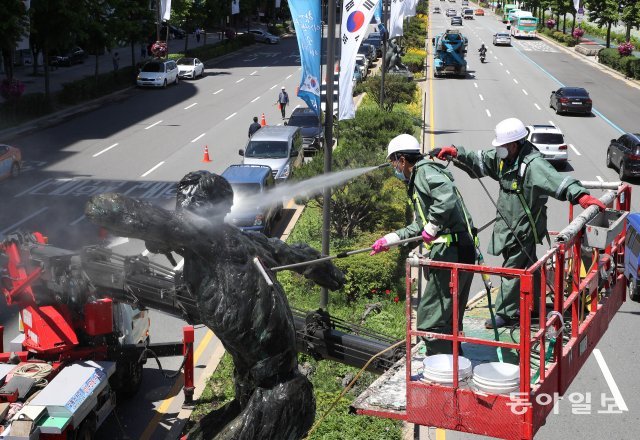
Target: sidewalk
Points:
(61, 75)
(592, 39)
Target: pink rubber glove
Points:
(585, 200)
(379, 246)
(428, 238)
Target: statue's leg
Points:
(283, 412)
(212, 423)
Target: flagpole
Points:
(385, 36)
(328, 137)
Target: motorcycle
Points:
(482, 57)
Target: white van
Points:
(158, 73)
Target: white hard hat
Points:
(509, 130)
(403, 143)
(282, 87)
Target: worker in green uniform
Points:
(445, 226)
(527, 180)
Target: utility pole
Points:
(328, 137)
(383, 66)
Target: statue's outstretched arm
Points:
(325, 274)
(134, 218)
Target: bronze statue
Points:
(393, 57)
(252, 319)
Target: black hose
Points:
(155, 356)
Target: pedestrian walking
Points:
(198, 32)
(255, 126)
(283, 100)
(116, 61)
(446, 228)
(526, 180)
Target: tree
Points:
(13, 23)
(604, 13)
(630, 16)
(132, 21)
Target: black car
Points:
(624, 154)
(369, 51)
(570, 100)
(376, 42)
(310, 127)
(174, 32)
(68, 57)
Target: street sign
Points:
(580, 15)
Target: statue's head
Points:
(206, 194)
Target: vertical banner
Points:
(235, 7)
(410, 8)
(165, 9)
(306, 16)
(397, 18)
(277, 3)
(23, 44)
(576, 4)
(356, 16)
(377, 12)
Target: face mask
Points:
(502, 152)
(400, 175)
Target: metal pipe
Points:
(328, 136)
(590, 184)
(578, 223)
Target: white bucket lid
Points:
(492, 383)
(442, 379)
(443, 363)
(496, 390)
(497, 372)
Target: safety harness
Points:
(516, 187)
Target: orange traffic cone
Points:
(263, 121)
(206, 154)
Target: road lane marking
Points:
(525, 92)
(289, 76)
(34, 187)
(76, 221)
(253, 73)
(29, 217)
(273, 87)
(475, 84)
(501, 64)
(152, 169)
(600, 179)
(217, 91)
(575, 150)
(481, 97)
(264, 67)
(153, 125)
(515, 80)
(488, 112)
(609, 378)
(230, 116)
(175, 389)
(189, 106)
(240, 80)
(199, 137)
(495, 57)
(537, 106)
(255, 99)
(105, 150)
(508, 73)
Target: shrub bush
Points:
(634, 68)
(92, 87)
(215, 50)
(609, 57)
(414, 60)
(396, 89)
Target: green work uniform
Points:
(525, 186)
(435, 200)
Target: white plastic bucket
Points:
(497, 372)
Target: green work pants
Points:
(435, 311)
(508, 300)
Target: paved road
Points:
(517, 81)
(142, 145)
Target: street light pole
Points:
(328, 137)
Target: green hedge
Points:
(414, 62)
(630, 66)
(215, 50)
(92, 87)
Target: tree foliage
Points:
(13, 22)
(604, 13)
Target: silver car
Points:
(502, 38)
(278, 147)
(263, 36)
(158, 74)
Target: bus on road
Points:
(506, 11)
(523, 25)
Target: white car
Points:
(549, 140)
(190, 68)
(158, 74)
(451, 12)
(502, 38)
(263, 36)
(362, 64)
